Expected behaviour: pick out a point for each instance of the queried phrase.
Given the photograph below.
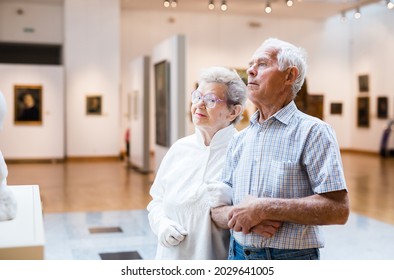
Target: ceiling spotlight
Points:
(174, 3)
(357, 14)
(166, 3)
(268, 8)
(289, 3)
(390, 4)
(211, 5)
(223, 7)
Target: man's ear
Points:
(292, 74)
(235, 111)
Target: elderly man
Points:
(285, 168)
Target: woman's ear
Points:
(235, 111)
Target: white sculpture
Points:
(7, 199)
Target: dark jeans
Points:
(239, 252)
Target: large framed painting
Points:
(363, 111)
(94, 104)
(383, 107)
(315, 105)
(162, 102)
(28, 104)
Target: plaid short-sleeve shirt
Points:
(289, 155)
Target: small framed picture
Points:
(336, 109)
(28, 104)
(382, 107)
(363, 83)
(94, 104)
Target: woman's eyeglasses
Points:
(209, 99)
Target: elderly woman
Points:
(179, 213)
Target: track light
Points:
(211, 5)
(223, 7)
(268, 8)
(289, 3)
(389, 4)
(357, 14)
(166, 3)
(174, 3)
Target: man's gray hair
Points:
(287, 56)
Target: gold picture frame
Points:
(28, 104)
(94, 104)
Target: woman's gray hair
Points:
(236, 88)
(287, 56)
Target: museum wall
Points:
(333, 56)
(230, 41)
(172, 51)
(25, 22)
(92, 68)
(372, 54)
(100, 41)
(138, 113)
(34, 140)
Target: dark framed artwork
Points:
(242, 74)
(162, 102)
(315, 105)
(363, 83)
(301, 99)
(28, 104)
(94, 104)
(336, 109)
(363, 111)
(382, 107)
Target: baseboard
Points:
(39, 160)
(93, 159)
(355, 151)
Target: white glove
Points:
(170, 233)
(219, 194)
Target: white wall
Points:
(139, 117)
(92, 63)
(229, 41)
(45, 141)
(372, 53)
(39, 23)
(173, 51)
(336, 53)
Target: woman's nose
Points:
(200, 103)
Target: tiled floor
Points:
(68, 237)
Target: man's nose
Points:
(251, 71)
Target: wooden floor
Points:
(111, 185)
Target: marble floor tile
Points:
(68, 237)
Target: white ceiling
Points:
(306, 9)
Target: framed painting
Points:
(94, 104)
(242, 74)
(336, 109)
(162, 102)
(363, 83)
(382, 107)
(28, 104)
(315, 105)
(301, 99)
(363, 111)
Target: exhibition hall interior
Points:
(82, 158)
